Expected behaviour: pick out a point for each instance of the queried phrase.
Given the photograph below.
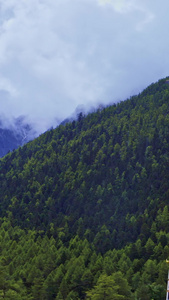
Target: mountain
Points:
(15, 135)
(84, 207)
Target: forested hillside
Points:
(84, 207)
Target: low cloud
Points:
(57, 55)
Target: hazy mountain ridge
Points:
(14, 134)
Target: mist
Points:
(56, 56)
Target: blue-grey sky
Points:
(58, 54)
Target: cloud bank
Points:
(56, 55)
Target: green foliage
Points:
(110, 287)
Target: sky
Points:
(58, 56)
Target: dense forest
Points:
(84, 208)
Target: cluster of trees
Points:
(84, 207)
(34, 265)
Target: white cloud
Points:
(122, 6)
(55, 55)
(130, 6)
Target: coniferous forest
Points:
(84, 208)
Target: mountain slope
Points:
(86, 205)
(110, 164)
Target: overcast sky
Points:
(58, 54)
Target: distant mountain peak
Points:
(14, 134)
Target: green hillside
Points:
(84, 207)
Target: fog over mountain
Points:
(14, 134)
(57, 55)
